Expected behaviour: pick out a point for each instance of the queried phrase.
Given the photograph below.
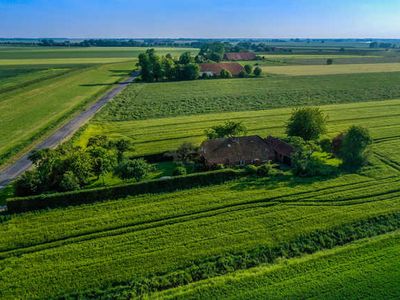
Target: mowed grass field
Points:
(374, 273)
(166, 134)
(332, 69)
(42, 87)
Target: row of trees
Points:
(69, 168)
(156, 68)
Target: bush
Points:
(329, 61)
(136, 168)
(242, 74)
(355, 145)
(225, 74)
(266, 169)
(257, 71)
(69, 182)
(248, 69)
(179, 171)
(326, 145)
(251, 169)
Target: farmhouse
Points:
(212, 69)
(234, 56)
(281, 151)
(245, 150)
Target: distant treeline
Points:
(383, 45)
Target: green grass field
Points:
(42, 87)
(165, 134)
(155, 100)
(370, 269)
(104, 248)
(332, 69)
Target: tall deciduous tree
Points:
(308, 123)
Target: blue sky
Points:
(200, 18)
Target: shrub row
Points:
(22, 204)
(221, 265)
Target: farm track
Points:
(207, 213)
(22, 164)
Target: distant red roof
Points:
(215, 68)
(240, 56)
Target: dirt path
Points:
(22, 164)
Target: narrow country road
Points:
(22, 164)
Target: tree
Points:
(308, 123)
(185, 58)
(225, 74)
(136, 168)
(248, 69)
(169, 68)
(329, 61)
(257, 71)
(229, 129)
(28, 184)
(98, 141)
(191, 71)
(122, 145)
(69, 182)
(355, 145)
(242, 74)
(102, 161)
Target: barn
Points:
(235, 56)
(214, 69)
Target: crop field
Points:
(374, 273)
(165, 134)
(136, 237)
(334, 235)
(155, 100)
(40, 88)
(332, 69)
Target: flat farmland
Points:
(40, 88)
(117, 241)
(164, 134)
(332, 69)
(169, 99)
(373, 274)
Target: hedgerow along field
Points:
(374, 273)
(40, 88)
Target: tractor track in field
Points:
(22, 164)
(196, 215)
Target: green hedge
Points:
(23, 204)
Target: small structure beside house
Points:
(235, 56)
(214, 69)
(245, 150)
(281, 151)
(235, 151)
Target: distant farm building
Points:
(281, 151)
(235, 56)
(235, 151)
(214, 69)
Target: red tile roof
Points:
(240, 56)
(216, 68)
